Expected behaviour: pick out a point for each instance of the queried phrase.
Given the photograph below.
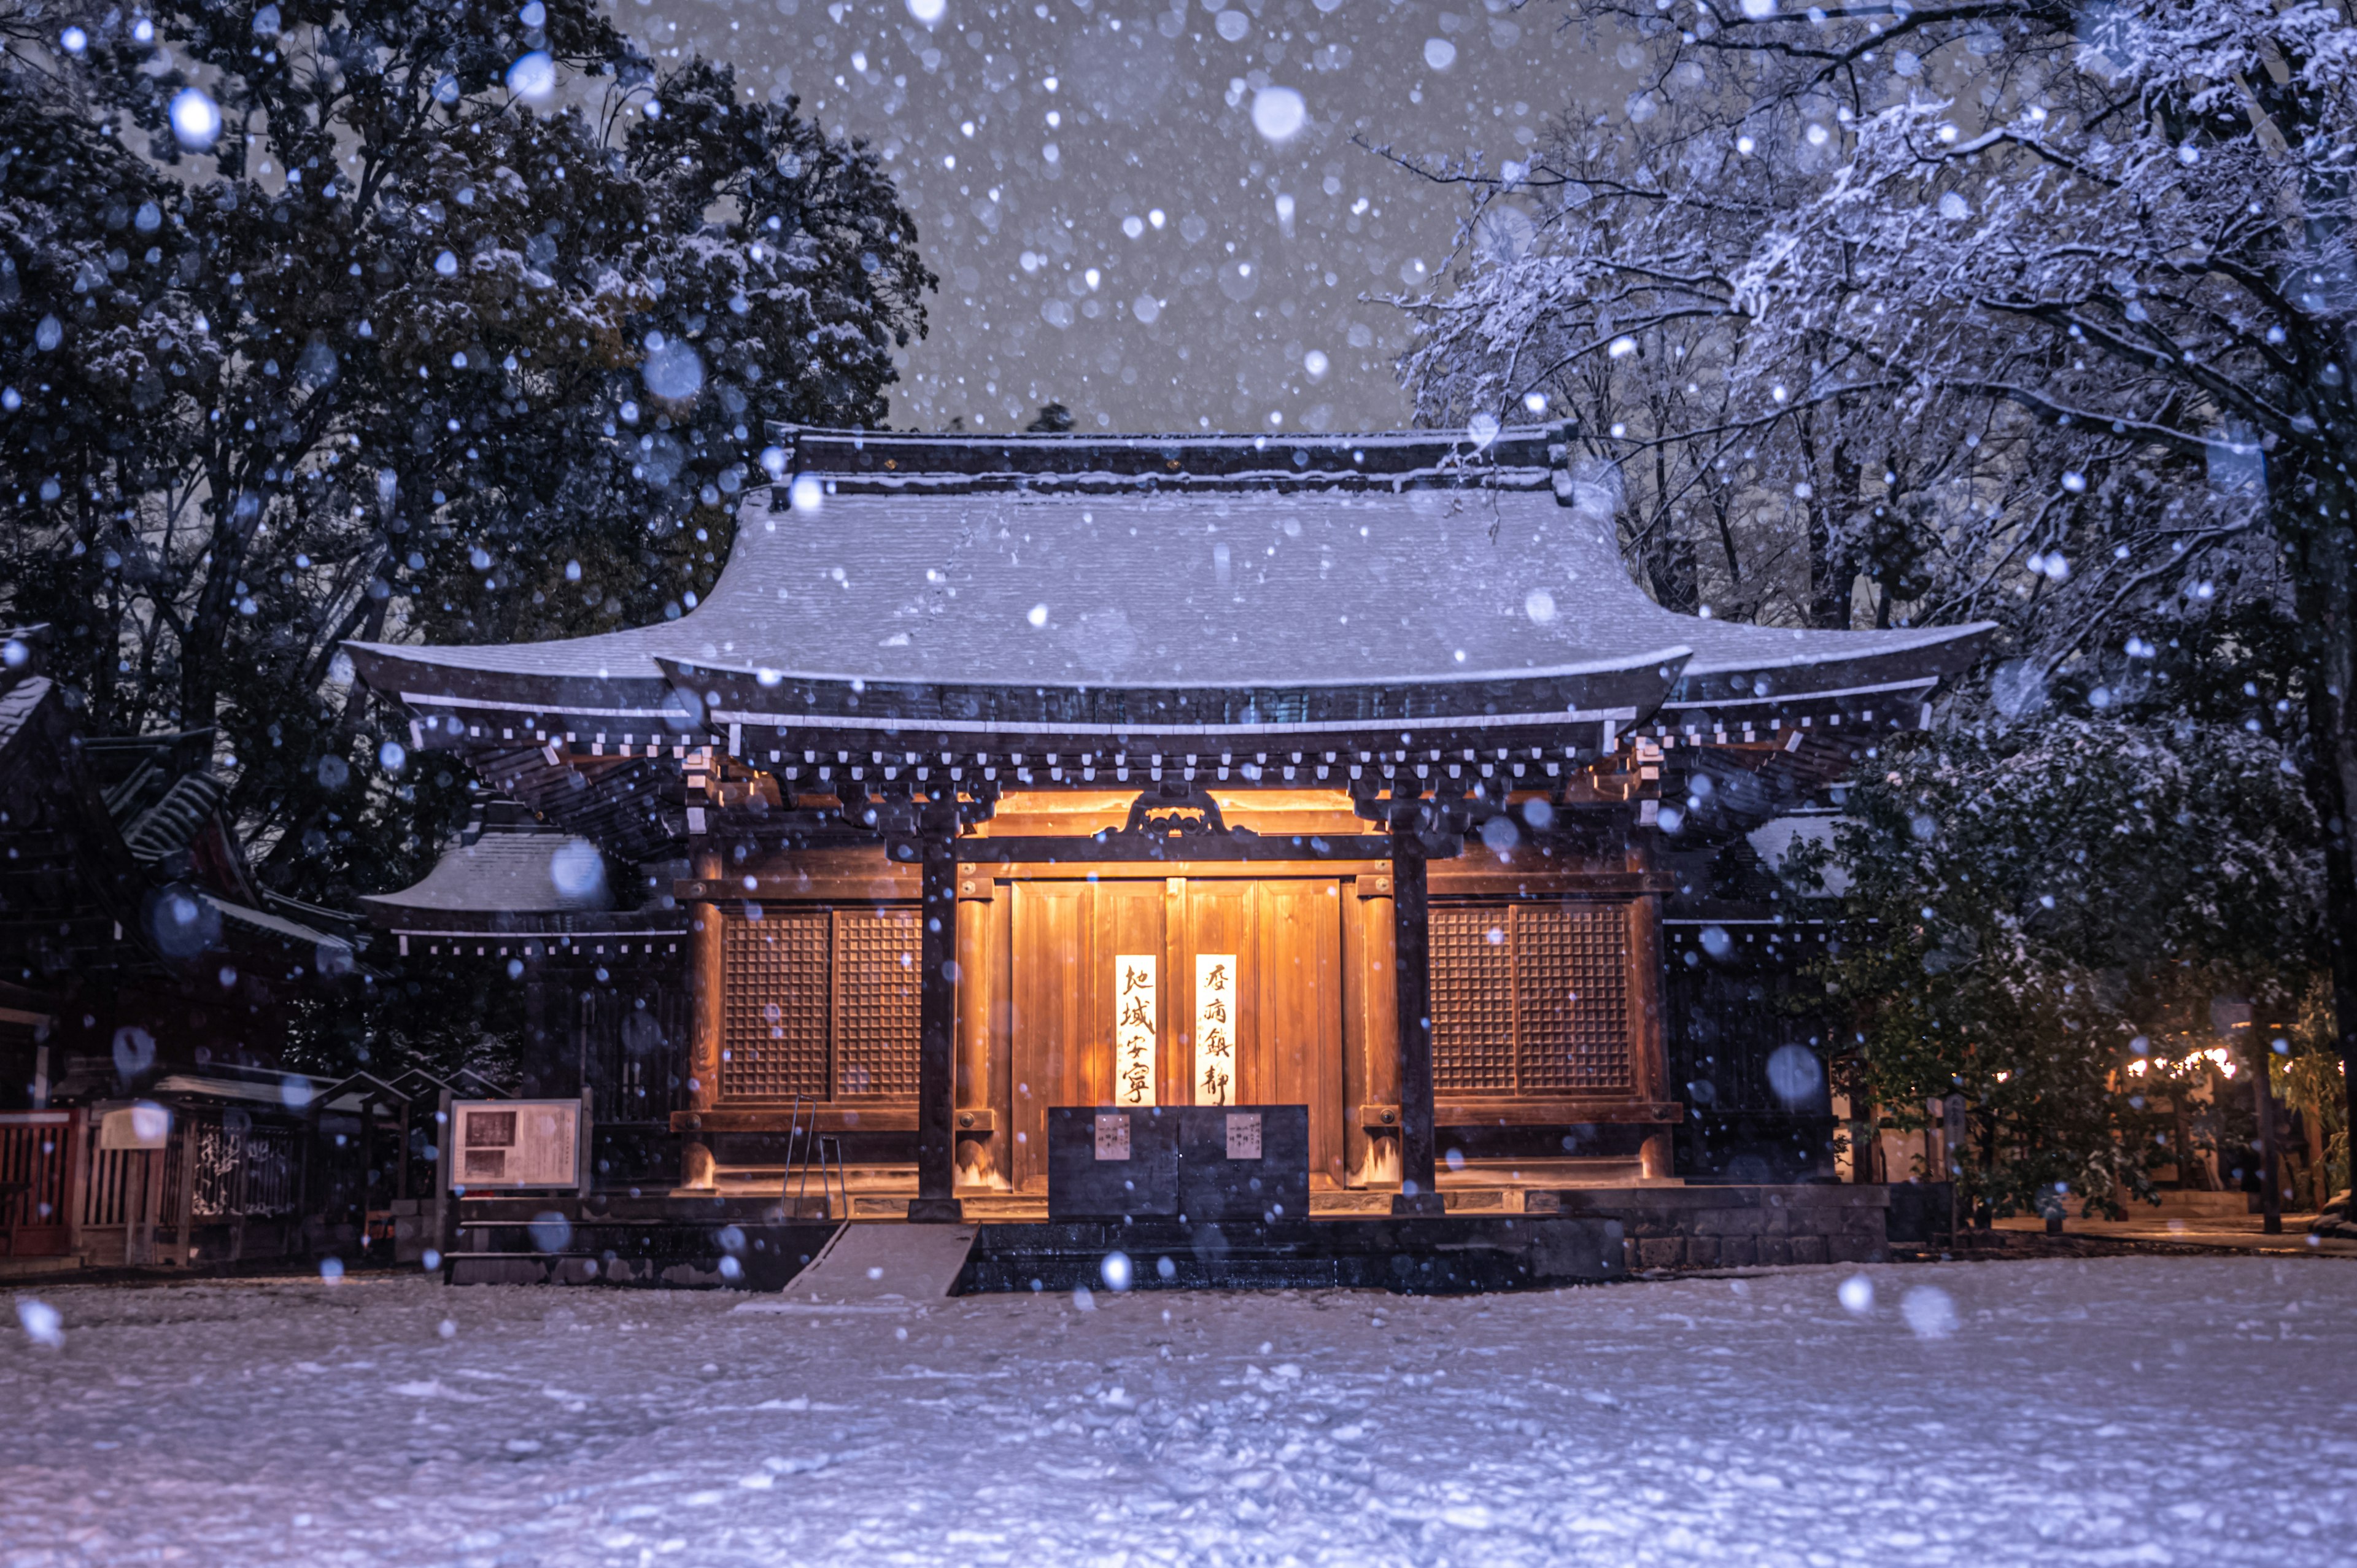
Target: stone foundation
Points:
(1735, 1227)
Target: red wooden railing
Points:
(38, 1157)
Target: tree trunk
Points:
(1672, 570)
(2328, 601)
(1832, 560)
(203, 644)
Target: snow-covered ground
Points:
(2133, 1410)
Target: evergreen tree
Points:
(2039, 916)
(393, 319)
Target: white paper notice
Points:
(1215, 1028)
(1244, 1135)
(1113, 1136)
(517, 1142)
(1135, 1023)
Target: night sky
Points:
(1120, 221)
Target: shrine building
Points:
(1009, 773)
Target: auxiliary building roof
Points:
(1149, 585)
(504, 862)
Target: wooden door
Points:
(1297, 998)
(1286, 937)
(1049, 1014)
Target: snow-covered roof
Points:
(288, 1092)
(1775, 840)
(329, 947)
(524, 870)
(18, 703)
(1153, 588)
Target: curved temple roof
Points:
(1191, 588)
(525, 872)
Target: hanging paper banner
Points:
(1134, 1023)
(1215, 1028)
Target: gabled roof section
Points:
(519, 868)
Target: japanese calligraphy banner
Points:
(1135, 1022)
(1215, 1028)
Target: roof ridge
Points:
(1204, 458)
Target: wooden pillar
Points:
(2263, 1094)
(184, 1222)
(704, 979)
(81, 1139)
(446, 1163)
(1372, 1088)
(1412, 963)
(146, 1208)
(980, 1158)
(1657, 1159)
(937, 946)
(401, 1156)
(536, 1064)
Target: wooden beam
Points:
(1558, 1113)
(1193, 870)
(1469, 878)
(1182, 848)
(899, 1117)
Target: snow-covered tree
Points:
(2034, 913)
(2034, 312)
(322, 320)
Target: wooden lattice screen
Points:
(821, 1004)
(1473, 1002)
(773, 1033)
(1530, 999)
(875, 1004)
(245, 1171)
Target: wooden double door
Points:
(1288, 997)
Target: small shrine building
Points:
(1005, 773)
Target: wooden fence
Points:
(37, 1158)
(222, 1187)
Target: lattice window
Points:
(1571, 999)
(774, 1007)
(1530, 999)
(820, 1003)
(1472, 1000)
(245, 1171)
(219, 1153)
(269, 1172)
(875, 1004)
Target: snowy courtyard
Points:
(2135, 1410)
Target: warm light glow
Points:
(2218, 1056)
(1057, 812)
